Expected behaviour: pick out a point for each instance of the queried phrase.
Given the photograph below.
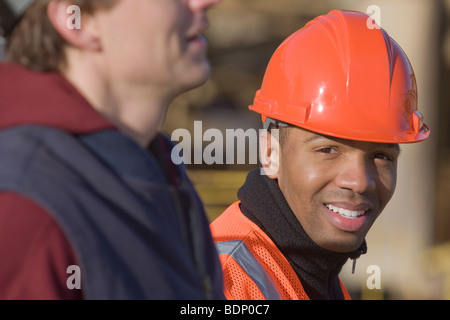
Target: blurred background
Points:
(410, 242)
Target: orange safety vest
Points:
(253, 267)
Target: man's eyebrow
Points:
(315, 137)
(392, 146)
(322, 137)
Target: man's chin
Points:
(196, 78)
(345, 242)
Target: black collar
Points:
(318, 268)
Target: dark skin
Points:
(336, 188)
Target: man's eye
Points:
(328, 150)
(382, 156)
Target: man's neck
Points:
(138, 111)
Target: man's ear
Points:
(61, 17)
(269, 152)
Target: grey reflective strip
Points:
(18, 7)
(275, 122)
(239, 251)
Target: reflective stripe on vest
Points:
(239, 251)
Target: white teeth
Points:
(345, 213)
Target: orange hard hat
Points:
(341, 77)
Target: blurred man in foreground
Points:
(91, 205)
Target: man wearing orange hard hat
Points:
(341, 97)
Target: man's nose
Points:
(357, 174)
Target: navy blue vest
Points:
(136, 235)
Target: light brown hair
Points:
(35, 43)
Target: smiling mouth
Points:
(345, 213)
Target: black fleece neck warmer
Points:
(318, 269)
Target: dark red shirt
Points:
(35, 253)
